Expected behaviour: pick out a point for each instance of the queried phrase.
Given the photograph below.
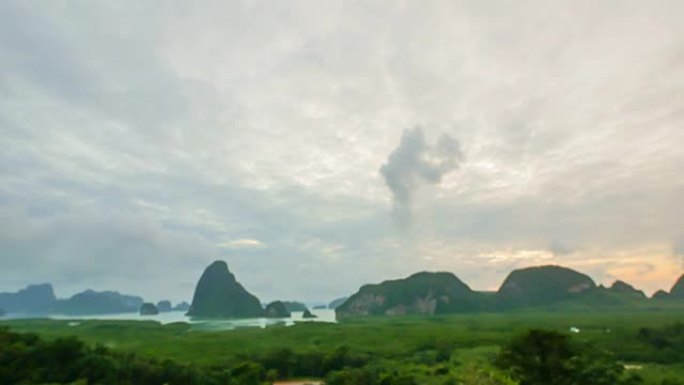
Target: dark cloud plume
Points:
(414, 163)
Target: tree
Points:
(544, 357)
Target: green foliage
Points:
(437, 350)
(28, 359)
(544, 357)
(666, 344)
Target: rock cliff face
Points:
(677, 291)
(219, 295)
(541, 286)
(276, 309)
(421, 293)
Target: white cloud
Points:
(245, 243)
(210, 129)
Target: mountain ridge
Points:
(543, 288)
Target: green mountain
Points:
(148, 308)
(164, 306)
(92, 302)
(677, 291)
(542, 285)
(219, 295)
(276, 309)
(661, 295)
(543, 288)
(294, 306)
(34, 299)
(621, 287)
(334, 304)
(183, 306)
(421, 293)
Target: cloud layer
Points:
(142, 142)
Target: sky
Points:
(320, 145)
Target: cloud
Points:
(560, 248)
(246, 243)
(678, 247)
(191, 128)
(86, 249)
(678, 250)
(415, 163)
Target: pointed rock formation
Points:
(661, 294)
(622, 287)
(677, 291)
(219, 295)
(308, 315)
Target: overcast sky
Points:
(320, 145)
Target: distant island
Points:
(218, 294)
(276, 309)
(334, 304)
(294, 306)
(543, 288)
(40, 300)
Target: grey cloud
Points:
(678, 250)
(561, 248)
(87, 249)
(239, 121)
(414, 163)
(678, 247)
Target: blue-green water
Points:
(323, 315)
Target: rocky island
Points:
(219, 295)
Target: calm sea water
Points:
(323, 315)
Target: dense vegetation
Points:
(440, 350)
(551, 358)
